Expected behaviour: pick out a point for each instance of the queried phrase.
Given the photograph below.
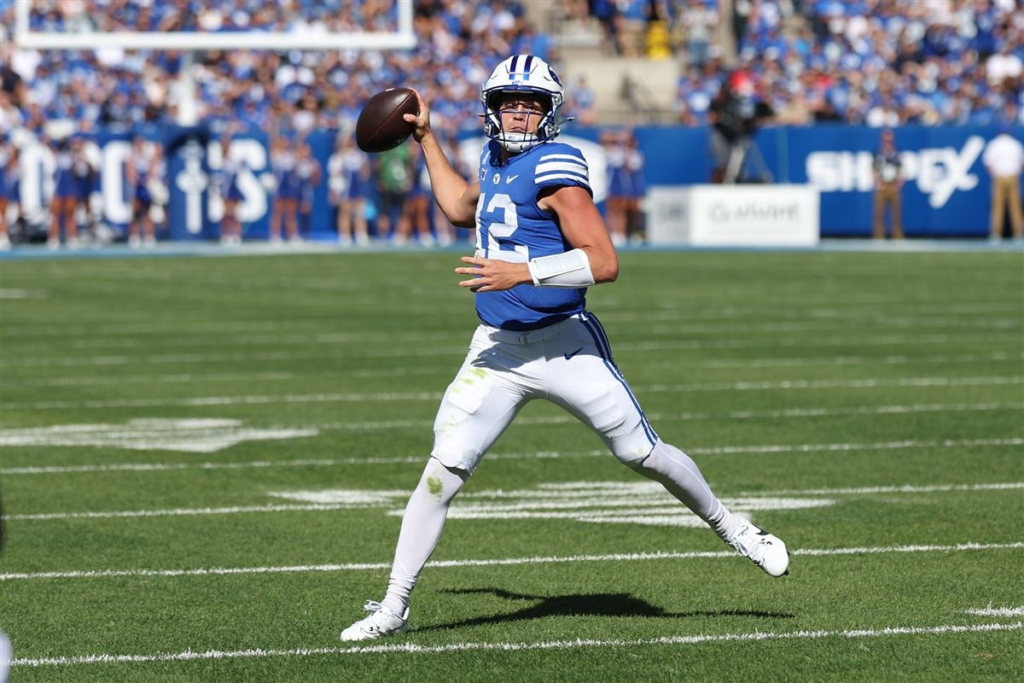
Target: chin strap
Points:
(569, 270)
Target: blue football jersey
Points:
(510, 226)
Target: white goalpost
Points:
(401, 39)
(193, 41)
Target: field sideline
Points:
(204, 463)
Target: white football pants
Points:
(568, 363)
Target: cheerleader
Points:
(309, 177)
(230, 225)
(286, 201)
(138, 171)
(157, 185)
(349, 173)
(10, 188)
(618, 184)
(68, 192)
(416, 210)
(636, 191)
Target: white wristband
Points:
(570, 270)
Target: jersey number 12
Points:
(500, 204)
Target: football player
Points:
(540, 242)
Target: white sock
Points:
(679, 474)
(421, 529)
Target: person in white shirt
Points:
(1004, 159)
(1003, 66)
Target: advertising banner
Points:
(734, 216)
(946, 191)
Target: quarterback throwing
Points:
(540, 242)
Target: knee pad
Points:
(631, 443)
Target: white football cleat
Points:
(381, 622)
(762, 548)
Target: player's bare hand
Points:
(420, 121)
(491, 275)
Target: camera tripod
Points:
(744, 150)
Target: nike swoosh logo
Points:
(510, 178)
(570, 355)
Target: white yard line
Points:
(177, 512)
(447, 369)
(152, 379)
(827, 447)
(907, 488)
(384, 397)
(684, 327)
(897, 409)
(18, 436)
(945, 359)
(734, 415)
(460, 350)
(578, 644)
(216, 337)
(551, 455)
(997, 612)
(308, 339)
(228, 401)
(680, 312)
(120, 327)
(187, 512)
(502, 562)
(866, 383)
(23, 294)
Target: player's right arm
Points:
(456, 197)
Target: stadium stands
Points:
(294, 90)
(863, 62)
(874, 62)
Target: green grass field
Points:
(203, 461)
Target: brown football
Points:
(380, 126)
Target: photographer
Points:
(735, 114)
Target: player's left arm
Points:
(591, 261)
(583, 228)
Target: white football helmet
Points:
(524, 74)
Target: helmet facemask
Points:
(527, 77)
(515, 141)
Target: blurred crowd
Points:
(63, 95)
(873, 62)
(877, 62)
(293, 91)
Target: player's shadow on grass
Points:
(595, 604)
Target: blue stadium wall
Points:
(947, 191)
